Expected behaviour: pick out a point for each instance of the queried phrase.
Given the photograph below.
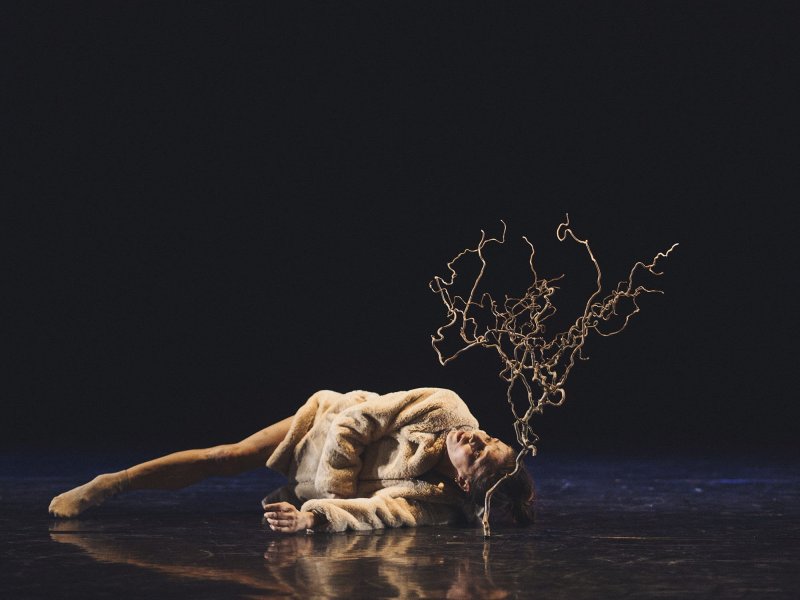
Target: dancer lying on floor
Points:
(354, 461)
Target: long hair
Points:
(513, 500)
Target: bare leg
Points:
(174, 471)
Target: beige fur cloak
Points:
(365, 460)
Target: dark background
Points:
(216, 209)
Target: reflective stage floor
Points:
(606, 529)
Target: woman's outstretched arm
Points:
(174, 471)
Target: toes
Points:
(59, 507)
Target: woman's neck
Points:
(445, 466)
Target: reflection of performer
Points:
(409, 564)
(397, 563)
(354, 461)
(177, 558)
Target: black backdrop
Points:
(217, 209)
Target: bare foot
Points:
(77, 500)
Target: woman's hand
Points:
(285, 518)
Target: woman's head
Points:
(474, 452)
(480, 461)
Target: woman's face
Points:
(472, 451)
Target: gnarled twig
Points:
(516, 331)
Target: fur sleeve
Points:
(408, 416)
(379, 512)
(340, 463)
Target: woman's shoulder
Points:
(425, 407)
(417, 393)
(439, 396)
(424, 393)
(430, 408)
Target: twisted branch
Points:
(516, 331)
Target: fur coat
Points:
(365, 461)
